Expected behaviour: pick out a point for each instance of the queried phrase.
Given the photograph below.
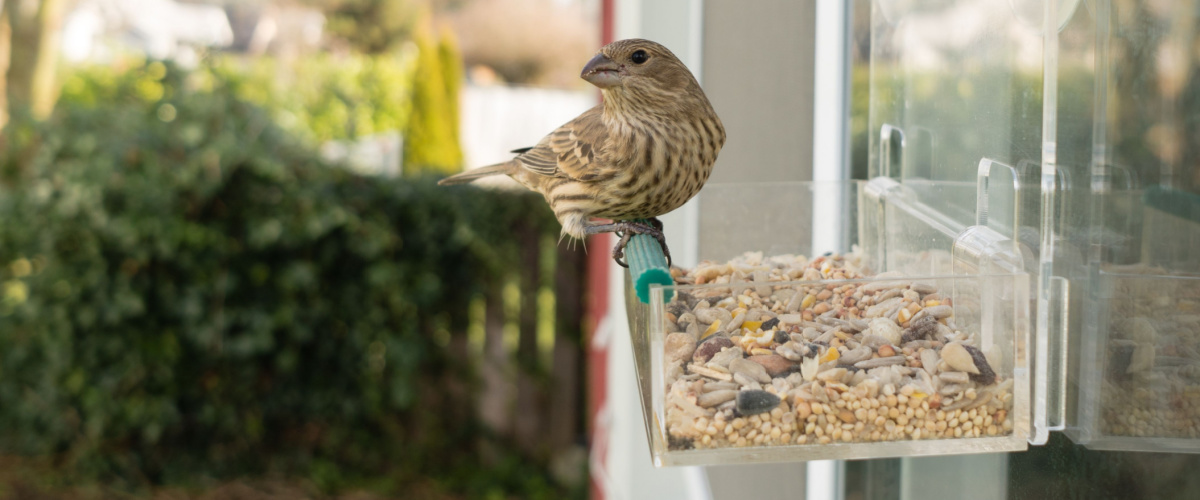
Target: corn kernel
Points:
(765, 338)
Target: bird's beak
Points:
(602, 72)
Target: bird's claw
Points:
(618, 251)
(653, 229)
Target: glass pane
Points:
(955, 117)
(952, 83)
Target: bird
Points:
(645, 150)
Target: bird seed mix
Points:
(760, 364)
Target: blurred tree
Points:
(5, 46)
(431, 141)
(372, 26)
(32, 52)
(538, 42)
(450, 59)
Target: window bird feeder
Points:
(1020, 260)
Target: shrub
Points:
(320, 98)
(186, 291)
(328, 97)
(450, 60)
(430, 140)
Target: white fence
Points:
(497, 119)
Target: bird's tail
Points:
(475, 173)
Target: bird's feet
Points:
(654, 229)
(626, 229)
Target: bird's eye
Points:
(639, 57)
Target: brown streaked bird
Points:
(645, 151)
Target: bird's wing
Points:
(570, 151)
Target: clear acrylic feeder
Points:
(839, 405)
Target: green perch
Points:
(647, 266)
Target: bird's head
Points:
(637, 64)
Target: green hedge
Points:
(186, 291)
